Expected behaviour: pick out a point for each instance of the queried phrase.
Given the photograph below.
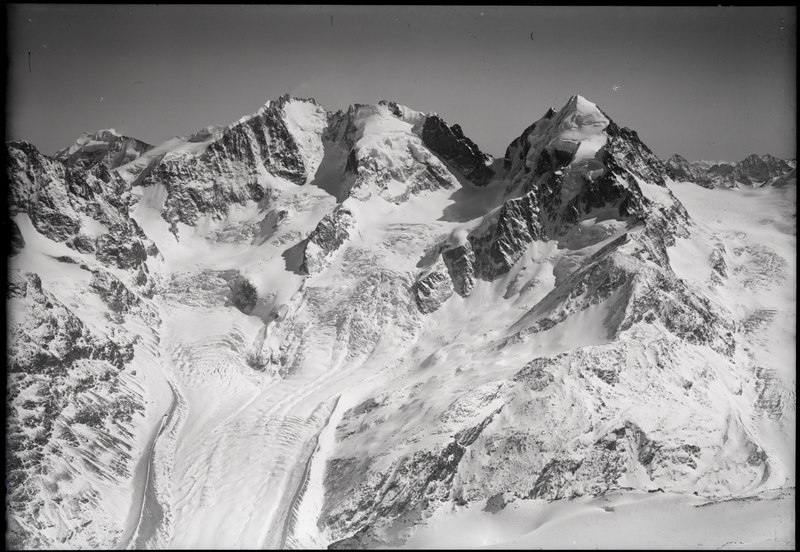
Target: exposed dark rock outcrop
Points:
(518, 150)
(60, 374)
(15, 242)
(432, 289)
(499, 247)
(679, 169)
(58, 199)
(114, 293)
(329, 235)
(227, 172)
(45, 335)
(757, 170)
(460, 263)
(416, 481)
(547, 207)
(243, 294)
(123, 246)
(462, 153)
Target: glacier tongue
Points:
(331, 329)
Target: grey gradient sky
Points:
(708, 83)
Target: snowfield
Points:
(623, 521)
(312, 329)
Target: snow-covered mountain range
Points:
(351, 329)
(753, 171)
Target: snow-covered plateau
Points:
(311, 329)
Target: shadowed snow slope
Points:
(355, 329)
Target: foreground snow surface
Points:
(617, 520)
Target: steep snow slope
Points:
(336, 326)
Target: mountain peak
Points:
(108, 132)
(579, 126)
(279, 103)
(103, 134)
(578, 103)
(283, 99)
(106, 146)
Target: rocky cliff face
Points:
(759, 170)
(557, 184)
(86, 210)
(232, 168)
(75, 406)
(679, 168)
(462, 153)
(329, 235)
(315, 328)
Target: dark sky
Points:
(709, 83)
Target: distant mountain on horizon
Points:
(753, 171)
